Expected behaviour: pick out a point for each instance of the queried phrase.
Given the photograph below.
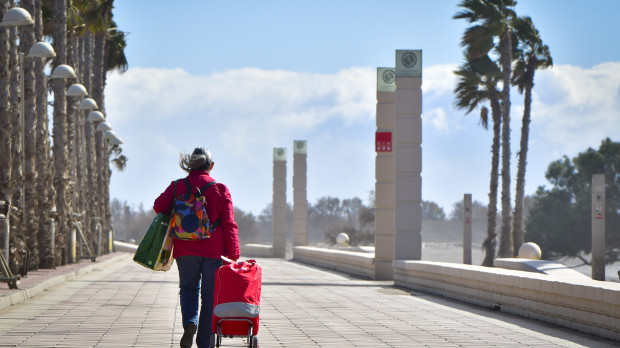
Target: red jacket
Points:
(225, 240)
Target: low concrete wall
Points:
(256, 250)
(358, 263)
(580, 304)
(551, 268)
(125, 247)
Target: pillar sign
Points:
(301, 147)
(386, 80)
(279, 154)
(409, 63)
(383, 141)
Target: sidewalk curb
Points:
(25, 294)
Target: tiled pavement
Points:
(125, 305)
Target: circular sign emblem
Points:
(409, 59)
(389, 76)
(280, 152)
(299, 145)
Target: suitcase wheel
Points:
(253, 342)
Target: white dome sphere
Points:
(342, 239)
(530, 251)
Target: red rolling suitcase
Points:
(236, 302)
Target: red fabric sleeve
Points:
(228, 226)
(163, 203)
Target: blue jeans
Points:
(191, 270)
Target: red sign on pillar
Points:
(383, 141)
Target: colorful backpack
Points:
(189, 217)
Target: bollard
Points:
(5, 227)
(598, 226)
(98, 228)
(467, 215)
(112, 245)
(73, 246)
(110, 241)
(53, 241)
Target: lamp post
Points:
(88, 105)
(95, 118)
(110, 139)
(18, 17)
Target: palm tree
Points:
(103, 14)
(74, 26)
(491, 22)
(477, 85)
(97, 18)
(86, 173)
(531, 54)
(17, 175)
(60, 153)
(5, 116)
(44, 183)
(27, 38)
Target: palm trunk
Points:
(107, 215)
(100, 147)
(6, 127)
(17, 177)
(61, 156)
(490, 242)
(30, 118)
(505, 245)
(44, 183)
(81, 149)
(517, 219)
(91, 154)
(72, 103)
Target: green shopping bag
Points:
(155, 249)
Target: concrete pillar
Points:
(300, 197)
(279, 202)
(384, 175)
(598, 227)
(408, 155)
(467, 228)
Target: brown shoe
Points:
(188, 335)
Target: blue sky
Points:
(242, 77)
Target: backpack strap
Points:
(209, 184)
(174, 196)
(188, 188)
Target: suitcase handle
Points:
(228, 260)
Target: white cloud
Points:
(575, 107)
(242, 114)
(441, 121)
(439, 80)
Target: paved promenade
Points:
(121, 304)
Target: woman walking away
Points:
(198, 255)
